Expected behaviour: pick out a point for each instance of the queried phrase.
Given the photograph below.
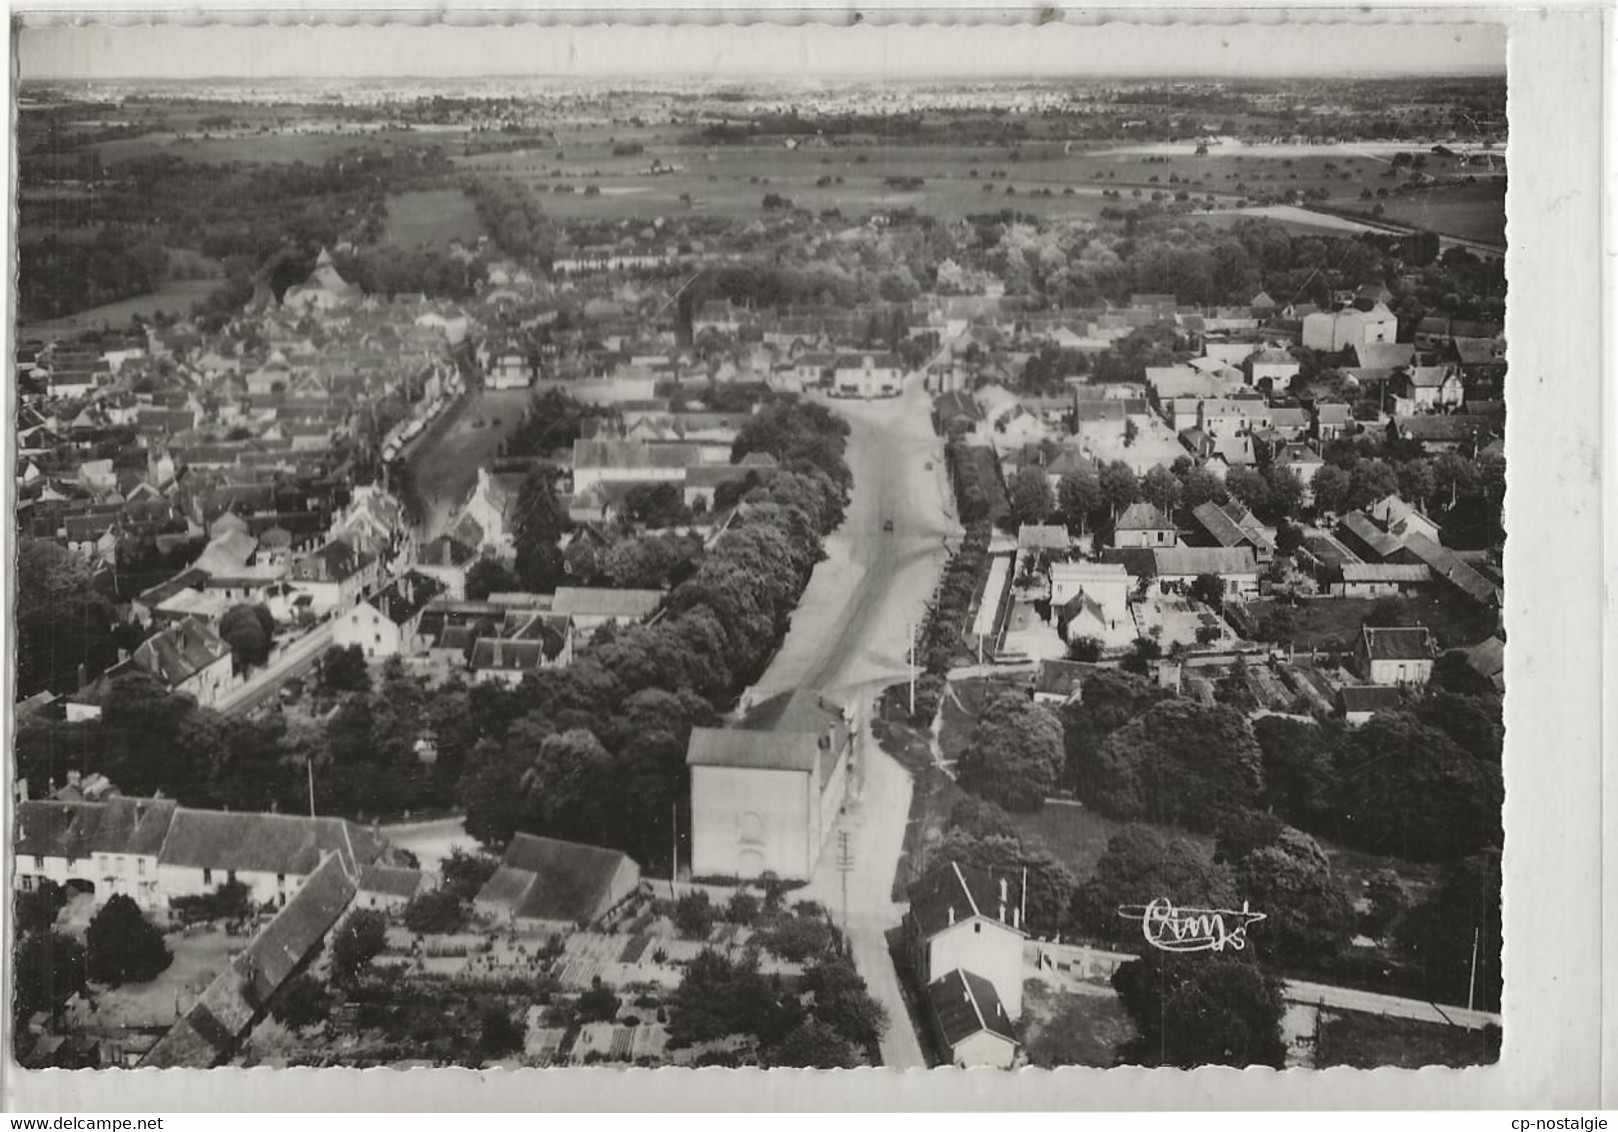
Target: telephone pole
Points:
(674, 859)
(911, 630)
(1472, 981)
(845, 865)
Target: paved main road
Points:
(850, 638)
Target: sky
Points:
(1226, 50)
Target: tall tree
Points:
(1193, 1010)
(1015, 753)
(1119, 487)
(1180, 763)
(1030, 494)
(1140, 865)
(1078, 496)
(1159, 488)
(122, 947)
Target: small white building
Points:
(1144, 525)
(970, 1022)
(1235, 567)
(1092, 600)
(867, 375)
(1395, 656)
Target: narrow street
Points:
(850, 639)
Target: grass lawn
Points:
(1334, 623)
(432, 216)
(198, 960)
(1065, 1027)
(1368, 1041)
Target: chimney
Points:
(952, 914)
(74, 778)
(1016, 918)
(82, 675)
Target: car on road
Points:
(887, 524)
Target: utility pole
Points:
(1472, 982)
(845, 865)
(309, 764)
(674, 860)
(911, 629)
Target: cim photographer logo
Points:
(1192, 929)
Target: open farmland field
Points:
(432, 216)
(1473, 212)
(174, 297)
(957, 180)
(280, 147)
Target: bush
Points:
(359, 939)
(694, 915)
(435, 913)
(230, 901)
(598, 1004)
(302, 1001)
(742, 908)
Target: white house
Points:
(970, 1021)
(388, 623)
(1396, 656)
(1235, 567)
(966, 918)
(335, 576)
(1142, 524)
(153, 850)
(1332, 331)
(1094, 598)
(867, 375)
(100, 848)
(765, 798)
(186, 657)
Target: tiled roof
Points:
(754, 750)
(952, 893)
(965, 1003)
(1369, 697)
(1413, 643)
(584, 601)
(132, 826)
(1446, 565)
(1220, 526)
(1142, 516)
(388, 880)
(542, 878)
(627, 455)
(267, 843)
(1192, 560)
(180, 652)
